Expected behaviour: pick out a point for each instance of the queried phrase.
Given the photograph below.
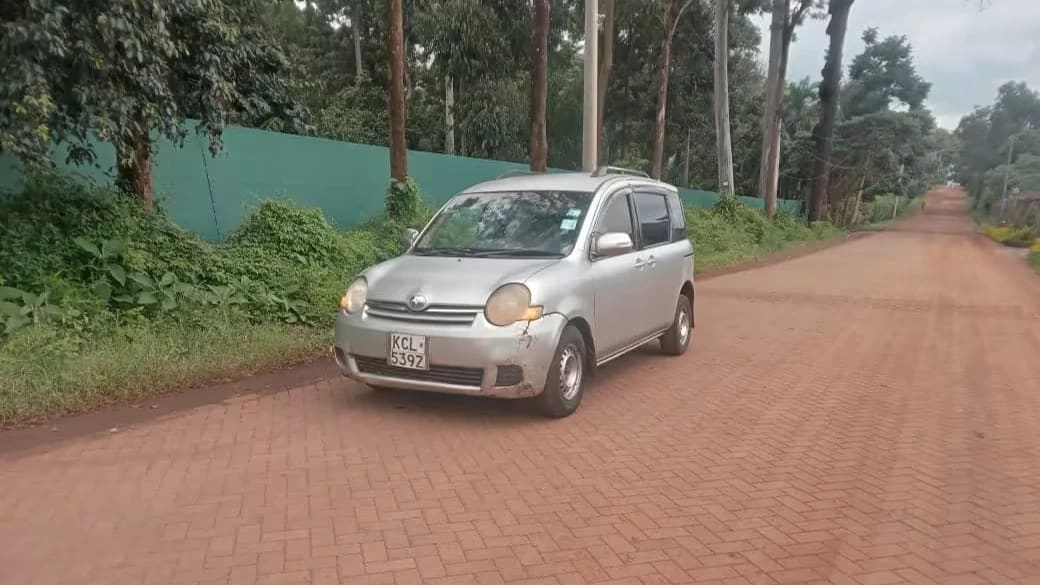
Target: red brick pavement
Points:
(866, 415)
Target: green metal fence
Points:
(212, 195)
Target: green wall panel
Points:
(212, 195)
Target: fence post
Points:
(895, 208)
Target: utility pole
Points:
(589, 147)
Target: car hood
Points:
(448, 281)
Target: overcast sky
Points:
(965, 53)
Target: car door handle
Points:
(641, 264)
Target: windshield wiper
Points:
(446, 251)
(518, 253)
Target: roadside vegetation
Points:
(104, 302)
(1020, 236)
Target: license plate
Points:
(408, 351)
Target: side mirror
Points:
(409, 236)
(613, 244)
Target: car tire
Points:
(568, 374)
(676, 340)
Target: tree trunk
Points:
(722, 126)
(539, 85)
(671, 17)
(686, 159)
(134, 166)
(449, 115)
(859, 199)
(355, 27)
(605, 65)
(823, 133)
(774, 88)
(395, 50)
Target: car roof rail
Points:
(516, 173)
(609, 170)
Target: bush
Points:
(733, 231)
(1020, 237)
(403, 201)
(882, 208)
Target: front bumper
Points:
(476, 358)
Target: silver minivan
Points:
(522, 286)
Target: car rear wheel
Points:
(676, 340)
(565, 383)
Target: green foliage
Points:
(733, 232)
(1019, 237)
(46, 372)
(290, 230)
(358, 113)
(403, 201)
(988, 136)
(123, 68)
(885, 208)
(883, 72)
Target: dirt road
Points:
(867, 415)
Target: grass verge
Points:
(43, 375)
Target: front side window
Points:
(518, 224)
(652, 211)
(617, 217)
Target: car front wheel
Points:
(565, 383)
(676, 340)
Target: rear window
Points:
(654, 225)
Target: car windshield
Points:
(517, 224)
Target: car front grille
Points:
(442, 374)
(443, 314)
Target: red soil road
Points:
(865, 415)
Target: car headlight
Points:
(355, 297)
(510, 303)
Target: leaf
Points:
(8, 292)
(51, 312)
(142, 279)
(146, 298)
(10, 309)
(15, 323)
(110, 248)
(118, 273)
(169, 303)
(124, 299)
(89, 246)
(167, 279)
(102, 289)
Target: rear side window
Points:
(675, 208)
(652, 212)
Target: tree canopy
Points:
(124, 68)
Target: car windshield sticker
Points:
(568, 224)
(573, 212)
